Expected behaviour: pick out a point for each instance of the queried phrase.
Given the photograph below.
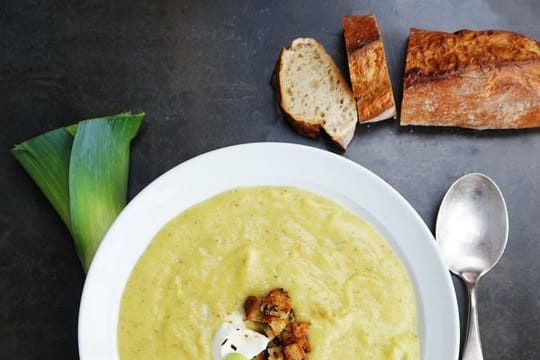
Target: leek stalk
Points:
(83, 171)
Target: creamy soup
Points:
(341, 274)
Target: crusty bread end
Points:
(487, 79)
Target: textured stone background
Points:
(200, 70)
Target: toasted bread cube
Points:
(275, 326)
(294, 352)
(252, 309)
(304, 344)
(275, 353)
(300, 329)
(276, 303)
(261, 356)
(296, 332)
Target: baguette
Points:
(313, 93)
(474, 79)
(368, 69)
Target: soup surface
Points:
(341, 274)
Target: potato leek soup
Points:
(194, 277)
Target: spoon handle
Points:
(472, 349)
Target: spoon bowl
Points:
(472, 232)
(472, 225)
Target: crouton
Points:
(274, 312)
(275, 326)
(275, 353)
(296, 332)
(276, 303)
(261, 356)
(294, 352)
(252, 309)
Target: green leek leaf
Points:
(46, 159)
(98, 178)
(83, 171)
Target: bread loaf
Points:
(474, 79)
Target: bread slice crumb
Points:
(313, 92)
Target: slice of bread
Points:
(313, 92)
(368, 69)
(486, 79)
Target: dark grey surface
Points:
(200, 70)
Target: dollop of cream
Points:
(233, 336)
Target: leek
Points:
(46, 159)
(83, 171)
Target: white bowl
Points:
(268, 164)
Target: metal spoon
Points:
(472, 231)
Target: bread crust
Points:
(475, 79)
(368, 69)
